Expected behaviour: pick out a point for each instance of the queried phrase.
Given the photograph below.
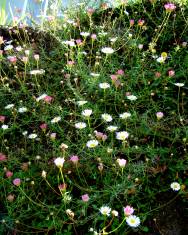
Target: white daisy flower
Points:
(80, 125)
(8, 48)
(112, 128)
(105, 210)
(175, 186)
(56, 119)
(133, 221)
(87, 112)
(131, 97)
(32, 136)
(125, 115)
(107, 50)
(59, 162)
(122, 135)
(160, 59)
(81, 102)
(92, 143)
(104, 85)
(4, 127)
(22, 110)
(9, 106)
(106, 117)
(179, 84)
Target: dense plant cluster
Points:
(94, 120)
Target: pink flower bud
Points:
(36, 57)
(171, 73)
(79, 42)
(90, 11)
(2, 118)
(2, 157)
(131, 22)
(159, 115)
(53, 136)
(93, 36)
(43, 126)
(25, 59)
(48, 99)
(120, 72)
(12, 59)
(17, 182)
(128, 210)
(9, 174)
(170, 7)
(157, 75)
(141, 22)
(74, 159)
(85, 198)
(62, 187)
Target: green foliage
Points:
(49, 79)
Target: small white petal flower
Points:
(105, 210)
(159, 115)
(121, 162)
(131, 97)
(103, 34)
(113, 39)
(87, 112)
(122, 135)
(32, 136)
(9, 106)
(37, 71)
(84, 34)
(81, 102)
(4, 127)
(125, 115)
(92, 143)
(56, 119)
(95, 74)
(179, 84)
(160, 59)
(24, 133)
(175, 186)
(64, 146)
(19, 48)
(104, 85)
(80, 125)
(22, 110)
(106, 117)
(112, 128)
(59, 162)
(133, 221)
(107, 50)
(41, 97)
